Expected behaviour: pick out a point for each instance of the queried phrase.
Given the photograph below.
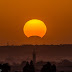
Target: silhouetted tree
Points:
(53, 68)
(23, 63)
(43, 69)
(16, 71)
(26, 68)
(0, 66)
(32, 68)
(61, 71)
(46, 67)
(6, 67)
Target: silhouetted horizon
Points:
(38, 45)
(43, 52)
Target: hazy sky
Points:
(57, 15)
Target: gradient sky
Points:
(57, 15)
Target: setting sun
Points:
(35, 27)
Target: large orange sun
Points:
(35, 27)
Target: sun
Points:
(34, 27)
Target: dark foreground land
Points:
(64, 66)
(44, 53)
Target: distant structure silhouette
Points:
(34, 56)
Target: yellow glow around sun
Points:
(34, 27)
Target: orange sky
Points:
(57, 15)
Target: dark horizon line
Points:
(39, 45)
